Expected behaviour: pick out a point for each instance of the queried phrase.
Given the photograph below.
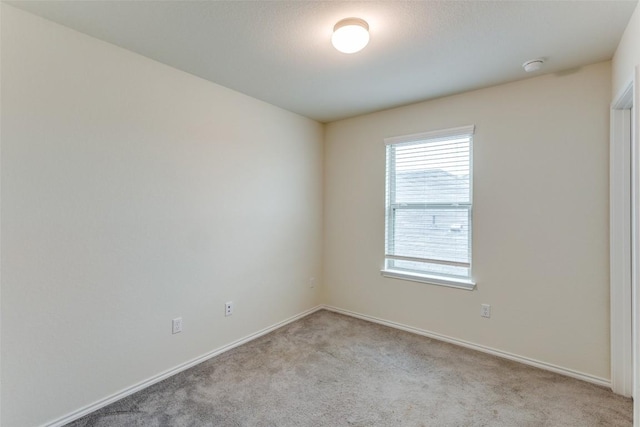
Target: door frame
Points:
(624, 239)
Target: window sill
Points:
(467, 285)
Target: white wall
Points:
(133, 193)
(627, 55)
(540, 242)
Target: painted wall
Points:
(540, 241)
(627, 55)
(133, 193)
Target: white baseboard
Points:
(506, 355)
(166, 374)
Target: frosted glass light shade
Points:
(350, 35)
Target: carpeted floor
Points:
(332, 370)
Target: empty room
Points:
(319, 213)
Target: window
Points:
(429, 207)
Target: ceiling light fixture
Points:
(350, 35)
(533, 65)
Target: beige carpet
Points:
(333, 370)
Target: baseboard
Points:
(495, 352)
(166, 374)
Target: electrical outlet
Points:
(485, 310)
(228, 308)
(312, 282)
(176, 325)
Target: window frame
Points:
(459, 282)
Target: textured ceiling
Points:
(280, 51)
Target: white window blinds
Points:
(429, 203)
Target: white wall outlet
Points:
(312, 282)
(228, 308)
(176, 325)
(485, 310)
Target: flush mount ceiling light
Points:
(533, 65)
(350, 35)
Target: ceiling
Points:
(280, 51)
